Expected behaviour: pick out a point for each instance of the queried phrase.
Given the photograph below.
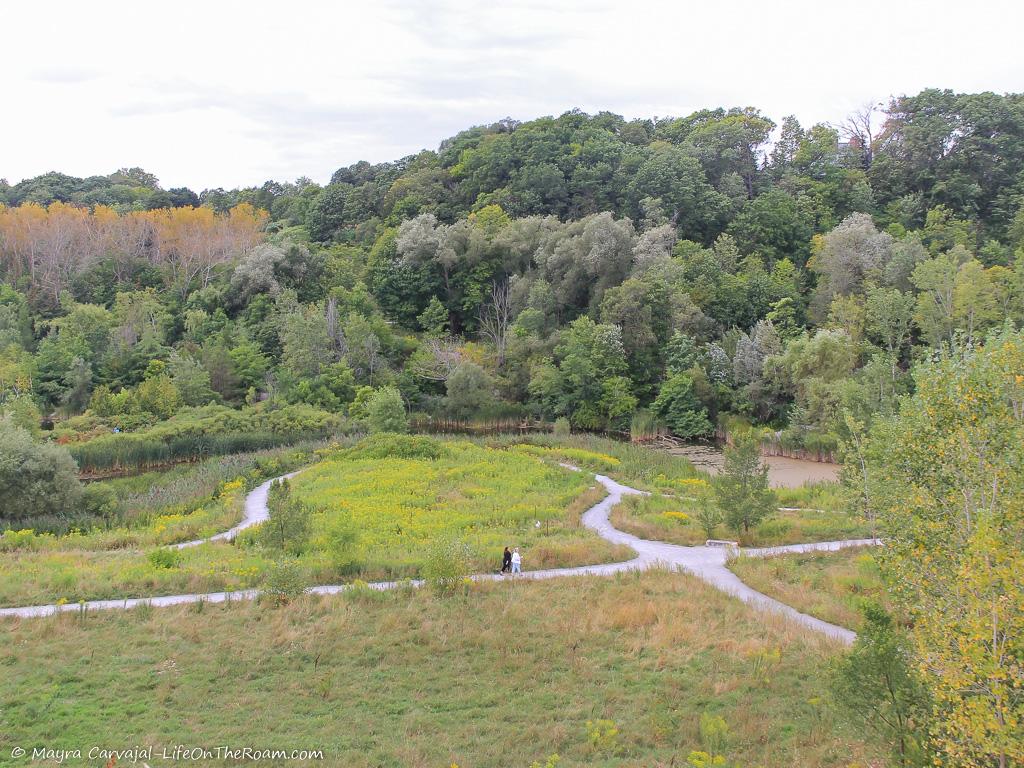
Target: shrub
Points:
(164, 558)
(101, 501)
(287, 530)
(713, 732)
(709, 517)
(22, 412)
(763, 662)
(385, 411)
(603, 736)
(447, 565)
(561, 427)
(285, 581)
(37, 479)
(158, 396)
(104, 402)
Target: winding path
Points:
(707, 563)
(254, 512)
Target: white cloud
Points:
(233, 93)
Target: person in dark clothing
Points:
(506, 561)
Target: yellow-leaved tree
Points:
(947, 485)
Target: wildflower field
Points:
(402, 493)
(394, 495)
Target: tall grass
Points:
(195, 433)
(442, 425)
(644, 467)
(504, 676)
(645, 427)
(133, 452)
(830, 585)
(824, 495)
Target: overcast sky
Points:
(223, 94)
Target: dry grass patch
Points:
(507, 675)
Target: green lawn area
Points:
(505, 675)
(829, 585)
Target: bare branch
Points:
(496, 319)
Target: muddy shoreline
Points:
(783, 472)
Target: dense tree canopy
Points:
(580, 266)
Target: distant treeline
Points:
(625, 275)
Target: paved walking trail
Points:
(707, 563)
(254, 512)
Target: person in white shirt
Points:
(517, 561)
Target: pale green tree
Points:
(742, 490)
(38, 479)
(385, 411)
(470, 390)
(889, 314)
(935, 279)
(975, 300)
(947, 489)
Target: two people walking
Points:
(511, 562)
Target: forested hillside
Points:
(607, 271)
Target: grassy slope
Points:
(829, 585)
(504, 676)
